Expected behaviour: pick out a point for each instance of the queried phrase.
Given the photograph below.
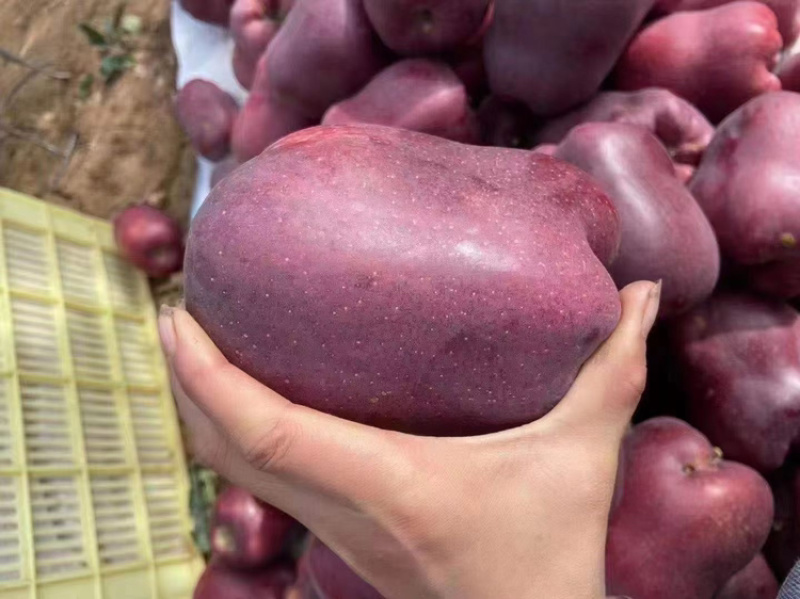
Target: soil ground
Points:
(108, 148)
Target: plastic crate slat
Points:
(77, 448)
(78, 273)
(59, 545)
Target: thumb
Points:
(609, 385)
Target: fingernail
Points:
(166, 329)
(651, 310)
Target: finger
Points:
(610, 384)
(275, 436)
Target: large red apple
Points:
(687, 520)
(738, 356)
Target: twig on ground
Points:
(68, 152)
(42, 69)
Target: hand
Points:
(520, 513)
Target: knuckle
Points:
(269, 448)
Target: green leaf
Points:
(85, 86)
(131, 24)
(111, 67)
(95, 37)
(202, 495)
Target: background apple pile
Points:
(685, 114)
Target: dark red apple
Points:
(150, 240)
(415, 94)
(215, 12)
(324, 575)
(553, 55)
(220, 582)
(665, 235)
(253, 24)
(681, 127)
(717, 59)
(787, 11)
(687, 519)
(246, 532)
(747, 184)
(206, 113)
(755, 581)
(419, 27)
(739, 358)
(264, 118)
(324, 52)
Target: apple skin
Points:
(150, 240)
(755, 581)
(285, 248)
(553, 55)
(747, 186)
(681, 127)
(738, 356)
(665, 235)
(426, 27)
(222, 582)
(687, 520)
(324, 575)
(416, 94)
(717, 59)
(246, 532)
(787, 12)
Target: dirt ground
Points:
(99, 149)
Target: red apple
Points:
(415, 94)
(687, 520)
(324, 575)
(253, 24)
(681, 127)
(747, 185)
(665, 235)
(150, 240)
(264, 119)
(220, 582)
(215, 12)
(554, 55)
(755, 581)
(206, 113)
(717, 59)
(739, 360)
(246, 532)
(787, 11)
(420, 27)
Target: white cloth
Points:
(203, 51)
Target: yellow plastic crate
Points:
(93, 484)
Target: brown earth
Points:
(115, 146)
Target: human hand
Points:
(520, 513)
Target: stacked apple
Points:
(685, 114)
(249, 543)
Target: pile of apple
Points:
(686, 114)
(251, 546)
